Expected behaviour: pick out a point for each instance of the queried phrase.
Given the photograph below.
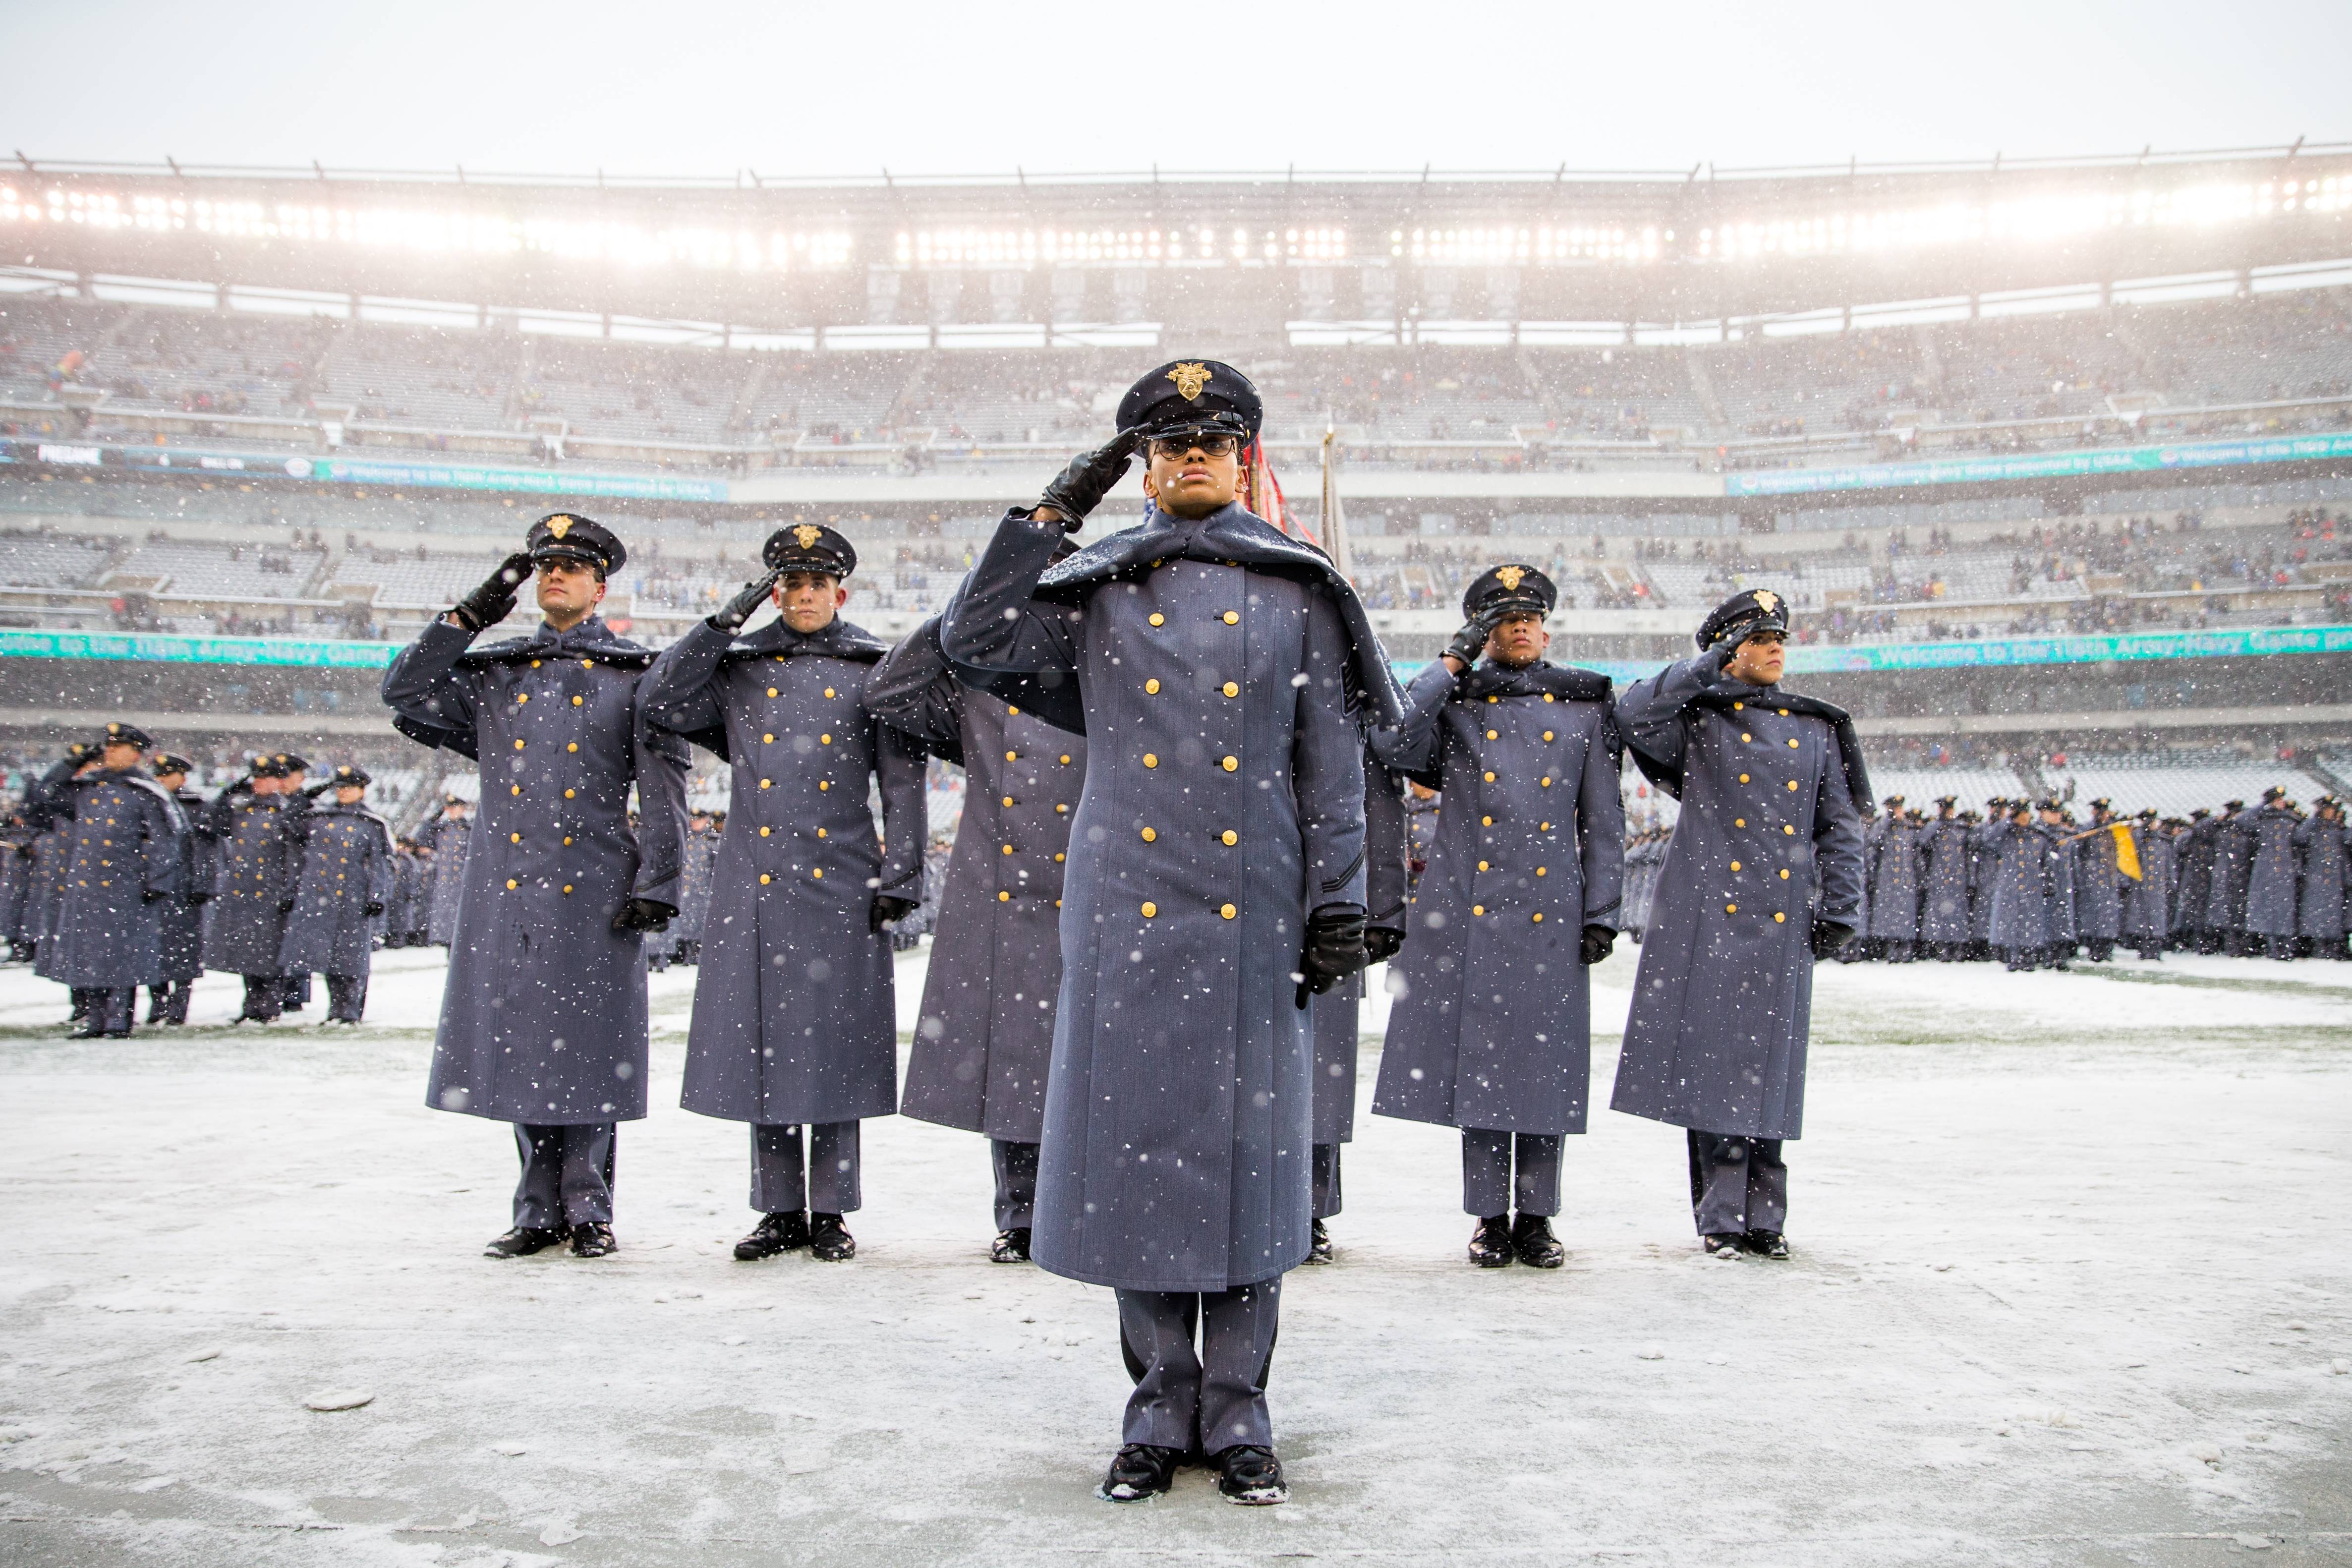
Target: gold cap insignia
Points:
(558, 526)
(345, 771)
(114, 729)
(808, 533)
(1768, 601)
(1511, 576)
(1190, 378)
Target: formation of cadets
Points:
(2027, 883)
(1199, 807)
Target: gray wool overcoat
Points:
(1339, 1012)
(1944, 899)
(1493, 1025)
(1215, 662)
(2098, 887)
(346, 866)
(1723, 999)
(2020, 885)
(2319, 897)
(258, 853)
(1895, 881)
(543, 1015)
(444, 884)
(180, 919)
(984, 1037)
(2148, 903)
(123, 864)
(2271, 876)
(795, 1017)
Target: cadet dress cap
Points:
(568, 536)
(165, 763)
(1892, 801)
(350, 773)
(1746, 613)
(2147, 813)
(2199, 814)
(2276, 791)
(121, 734)
(1203, 397)
(808, 547)
(2233, 806)
(1948, 800)
(289, 763)
(1512, 589)
(2102, 804)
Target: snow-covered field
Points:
(2073, 1285)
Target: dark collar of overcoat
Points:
(1564, 681)
(1724, 692)
(836, 638)
(1232, 536)
(592, 639)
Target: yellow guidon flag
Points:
(2127, 847)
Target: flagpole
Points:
(1335, 530)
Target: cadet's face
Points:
(1758, 661)
(1192, 482)
(266, 785)
(292, 784)
(1518, 640)
(350, 794)
(567, 588)
(171, 781)
(809, 600)
(122, 755)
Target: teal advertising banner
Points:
(158, 648)
(2118, 460)
(540, 481)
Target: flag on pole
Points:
(1261, 493)
(2126, 849)
(1335, 526)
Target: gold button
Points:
(514, 838)
(1232, 763)
(567, 886)
(1232, 690)
(1158, 619)
(567, 839)
(1230, 837)
(522, 696)
(1793, 783)
(1550, 697)
(1540, 872)
(1734, 865)
(1065, 759)
(821, 833)
(1784, 712)
(1494, 699)
(534, 664)
(1008, 800)
(517, 745)
(1543, 827)
(1149, 910)
(1149, 835)
(1482, 865)
(1151, 687)
(827, 740)
(1738, 706)
(763, 832)
(1151, 759)
(575, 701)
(1792, 744)
(1012, 756)
(818, 873)
(1545, 783)
(1784, 876)
(1478, 908)
(1788, 828)
(1232, 617)
(1731, 908)
(1227, 911)
(514, 789)
(828, 691)
(1744, 736)
(1494, 734)
(1539, 917)
(573, 746)
(587, 664)
(824, 783)
(1490, 777)
(567, 795)
(1486, 821)
(771, 691)
(1738, 822)
(1008, 850)
(1002, 897)
(1777, 918)
(1061, 809)
(1547, 734)
(767, 740)
(510, 884)
(765, 783)
(1743, 778)
(1058, 858)
(763, 879)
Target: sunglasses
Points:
(1207, 445)
(1767, 635)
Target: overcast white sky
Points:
(792, 88)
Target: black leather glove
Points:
(1596, 944)
(888, 906)
(285, 906)
(1829, 938)
(1381, 943)
(744, 606)
(1080, 488)
(643, 915)
(1471, 640)
(1334, 949)
(495, 599)
(372, 909)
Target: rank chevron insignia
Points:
(1189, 377)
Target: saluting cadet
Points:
(795, 1020)
(1944, 911)
(2233, 866)
(985, 1034)
(346, 877)
(1764, 874)
(448, 836)
(2270, 876)
(52, 801)
(123, 864)
(1894, 886)
(2058, 885)
(257, 828)
(1492, 1032)
(694, 889)
(15, 883)
(2099, 883)
(1215, 880)
(543, 1015)
(180, 919)
(2321, 893)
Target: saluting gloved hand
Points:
(1829, 938)
(1080, 488)
(1381, 943)
(888, 906)
(641, 915)
(495, 599)
(372, 909)
(1595, 944)
(1335, 949)
(744, 606)
(1471, 640)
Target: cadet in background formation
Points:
(345, 878)
(123, 864)
(795, 1020)
(1215, 881)
(180, 919)
(256, 826)
(1764, 874)
(544, 1015)
(1492, 1033)
(446, 837)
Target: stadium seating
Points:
(2176, 782)
(35, 562)
(191, 569)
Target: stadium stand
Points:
(190, 569)
(2174, 783)
(1921, 788)
(39, 561)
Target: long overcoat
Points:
(452, 838)
(257, 856)
(16, 881)
(2098, 888)
(2148, 903)
(1723, 999)
(2271, 873)
(2058, 880)
(346, 866)
(543, 1015)
(180, 919)
(1493, 1028)
(2319, 899)
(984, 1036)
(47, 897)
(123, 864)
(1944, 899)
(1339, 1012)
(2233, 869)
(2192, 899)
(795, 1018)
(1214, 661)
(694, 887)
(1984, 876)
(1894, 885)
(2021, 887)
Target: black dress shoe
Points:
(1724, 1244)
(829, 1242)
(1011, 1246)
(1250, 1475)
(1318, 1245)
(1532, 1239)
(1490, 1244)
(88, 1032)
(593, 1238)
(523, 1240)
(1766, 1244)
(786, 1232)
(1140, 1471)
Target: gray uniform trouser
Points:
(829, 1184)
(1738, 1185)
(1326, 1164)
(1490, 1187)
(567, 1174)
(1015, 1164)
(1207, 1400)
